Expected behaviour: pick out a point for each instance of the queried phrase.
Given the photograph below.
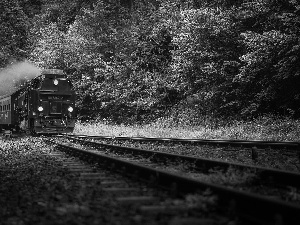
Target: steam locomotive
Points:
(44, 105)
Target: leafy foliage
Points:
(206, 55)
(13, 29)
(270, 70)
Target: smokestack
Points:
(14, 75)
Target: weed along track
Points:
(247, 197)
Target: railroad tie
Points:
(137, 200)
(121, 191)
(113, 182)
(79, 169)
(191, 221)
(118, 189)
(154, 209)
(94, 176)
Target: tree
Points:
(141, 57)
(14, 32)
(48, 47)
(270, 72)
(31, 7)
(206, 56)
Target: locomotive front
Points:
(51, 100)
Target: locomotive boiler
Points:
(44, 105)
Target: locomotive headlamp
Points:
(40, 108)
(55, 82)
(70, 109)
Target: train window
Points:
(0, 108)
(8, 106)
(48, 85)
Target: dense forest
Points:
(139, 60)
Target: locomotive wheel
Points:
(18, 129)
(32, 132)
(31, 127)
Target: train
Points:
(43, 105)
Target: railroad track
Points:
(292, 145)
(263, 153)
(280, 155)
(142, 203)
(255, 208)
(278, 177)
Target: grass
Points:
(263, 128)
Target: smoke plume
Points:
(13, 76)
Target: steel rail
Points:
(263, 209)
(293, 145)
(276, 176)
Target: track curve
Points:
(265, 209)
